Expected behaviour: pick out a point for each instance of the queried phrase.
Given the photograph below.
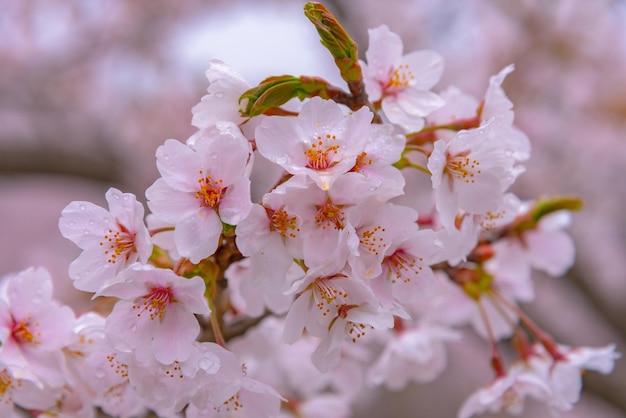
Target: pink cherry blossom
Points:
(326, 230)
(25, 394)
(320, 142)
(416, 353)
(471, 172)
(406, 275)
(111, 240)
(156, 310)
(383, 149)
(377, 225)
(402, 82)
(33, 328)
(547, 248)
(202, 186)
(564, 375)
(351, 323)
(222, 101)
(506, 393)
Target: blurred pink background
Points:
(89, 89)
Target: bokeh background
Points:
(89, 89)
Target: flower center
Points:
(400, 77)
(369, 239)
(22, 334)
(329, 214)
(321, 155)
(362, 161)
(156, 302)
(232, 404)
(281, 221)
(327, 293)
(403, 266)
(118, 244)
(211, 191)
(462, 167)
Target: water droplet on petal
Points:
(82, 207)
(126, 197)
(86, 232)
(100, 373)
(133, 328)
(219, 95)
(91, 222)
(281, 160)
(71, 223)
(166, 157)
(117, 196)
(205, 364)
(508, 152)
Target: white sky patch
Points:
(258, 41)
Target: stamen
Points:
(400, 77)
(118, 244)
(329, 214)
(211, 191)
(403, 266)
(156, 302)
(461, 167)
(321, 154)
(283, 223)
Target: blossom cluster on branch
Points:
(384, 224)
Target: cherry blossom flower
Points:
(506, 393)
(546, 247)
(201, 187)
(406, 275)
(471, 172)
(377, 225)
(564, 375)
(156, 310)
(326, 230)
(309, 393)
(98, 373)
(230, 392)
(180, 380)
(350, 323)
(320, 295)
(33, 328)
(111, 240)
(252, 290)
(222, 101)
(25, 394)
(383, 149)
(402, 82)
(320, 142)
(416, 353)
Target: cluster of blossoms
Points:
(382, 224)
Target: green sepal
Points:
(207, 270)
(276, 91)
(479, 285)
(334, 38)
(160, 258)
